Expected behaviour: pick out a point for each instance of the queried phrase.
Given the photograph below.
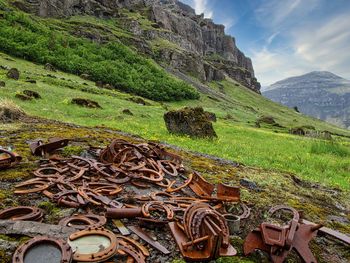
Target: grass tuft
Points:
(332, 148)
(9, 111)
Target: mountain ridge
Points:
(320, 94)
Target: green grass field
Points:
(272, 148)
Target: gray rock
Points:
(32, 229)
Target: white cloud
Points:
(276, 13)
(201, 6)
(326, 44)
(271, 66)
(306, 43)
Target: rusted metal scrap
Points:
(204, 234)
(205, 190)
(133, 249)
(145, 236)
(22, 213)
(278, 241)
(25, 250)
(81, 221)
(110, 180)
(104, 250)
(40, 148)
(8, 159)
(331, 232)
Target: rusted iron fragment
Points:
(205, 190)
(278, 241)
(8, 159)
(146, 237)
(81, 221)
(330, 232)
(40, 148)
(120, 213)
(22, 213)
(100, 245)
(23, 252)
(129, 246)
(204, 234)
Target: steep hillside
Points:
(166, 30)
(322, 95)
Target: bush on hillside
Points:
(31, 38)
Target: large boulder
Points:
(13, 74)
(190, 121)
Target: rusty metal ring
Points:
(39, 172)
(100, 256)
(66, 252)
(39, 186)
(22, 213)
(284, 207)
(86, 221)
(158, 206)
(171, 190)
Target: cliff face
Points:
(204, 50)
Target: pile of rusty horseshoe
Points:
(142, 182)
(150, 187)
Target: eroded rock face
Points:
(199, 38)
(194, 122)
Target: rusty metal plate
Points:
(43, 250)
(93, 245)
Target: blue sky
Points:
(285, 38)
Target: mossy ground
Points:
(317, 202)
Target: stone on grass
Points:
(13, 73)
(23, 97)
(190, 121)
(85, 76)
(297, 131)
(49, 67)
(86, 103)
(266, 119)
(139, 101)
(2, 84)
(33, 81)
(127, 112)
(32, 94)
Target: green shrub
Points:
(330, 148)
(31, 38)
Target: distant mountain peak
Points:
(321, 94)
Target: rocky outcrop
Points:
(205, 51)
(194, 122)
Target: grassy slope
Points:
(238, 138)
